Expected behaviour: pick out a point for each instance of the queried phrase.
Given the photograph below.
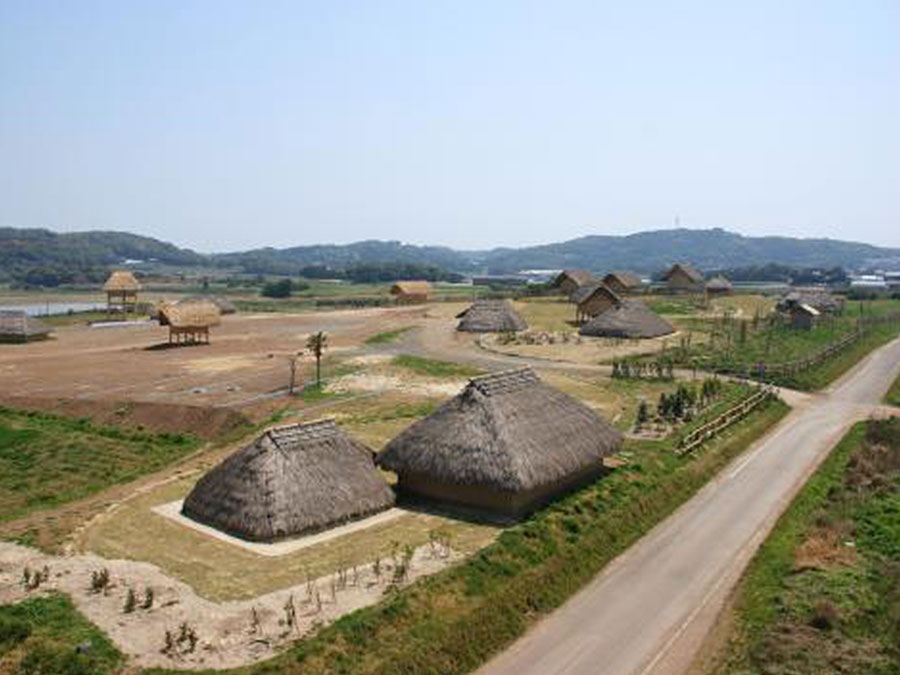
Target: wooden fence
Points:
(701, 434)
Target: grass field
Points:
(46, 460)
(388, 336)
(434, 368)
(822, 595)
(893, 395)
(453, 621)
(39, 636)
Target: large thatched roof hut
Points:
(17, 326)
(682, 277)
(121, 290)
(490, 316)
(630, 319)
(568, 281)
(292, 480)
(225, 305)
(506, 444)
(189, 323)
(411, 292)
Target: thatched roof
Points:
(506, 431)
(196, 314)
(631, 319)
(599, 289)
(225, 305)
(292, 480)
(821, 300)
(627, 279)
(802, 308)
(121, 280)
(583, 292)
(411, 288)
(16, 325)
(692, 273)
(580, 277)
(719, 283)
(490, 316)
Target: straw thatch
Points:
(821, 300)
(631, 319)
(568, 281)
(622, 281)
(582, 292)
(507, 443)
(18, 326)
(685, 269)
(599, 300)
(411, 291)
(122, 281)
(719, 285)
(292, 480)
(490, 316)
(202, 313)
(225, 305)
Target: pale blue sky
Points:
(223, 125)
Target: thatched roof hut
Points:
(507, 443)
(569, 280)
(622, 281)
(630, 319)
(292, 480)
(411, 292)
(803, 316)
(683, 277)
(122, 280)
(821, 300)
(490, 316)
(225, 305)
(189, 322)
(719, 285)
(600, 299)
(18, 326)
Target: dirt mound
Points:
(203, 422)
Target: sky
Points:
(225, 125)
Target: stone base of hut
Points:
(473, 499)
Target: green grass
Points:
(673, 306)
(388, 336)
(450, 623)
(47, 460)
(435, 368)
(893, 395)
(837, 612)
(38, 637)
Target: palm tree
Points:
(316, 343)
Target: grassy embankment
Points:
(452, 622)
(388, 336)
(893, 395)
(822, 595)
(46, 461)
(39, 637)
(435, 368)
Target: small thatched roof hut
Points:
(623, 282)
(819, 299)
(292, 480)
(600, 299)
(683, 277)
(507, 443)
(18, 326)
(630, 319)
(411, 292)
(189, 322)
(122, 280)
(569, 280)
(490, 316)
(719, 285)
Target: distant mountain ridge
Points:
(25, 249)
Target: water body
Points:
(51, 308)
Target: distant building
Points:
(121, 292)
(411, 292)
(568, 281)
(623, 282)
(719, 285)
(17, 326)
(683, 278)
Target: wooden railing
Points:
(703, 433)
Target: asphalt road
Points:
(649, 610)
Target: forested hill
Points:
(36, 253)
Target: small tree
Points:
(316, 343)
(293, 361)
(642, 414)
(277, 289)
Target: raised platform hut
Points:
(568, 281)
(189, 323)
(122, 290)
(507, 444)
(292, 480)
(17, 326)
(624, 283)
(600, 299)
(683, 278)
(225, 305)
(411, 292)
(631, 319)
(490, 316)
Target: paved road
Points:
(647, 613)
